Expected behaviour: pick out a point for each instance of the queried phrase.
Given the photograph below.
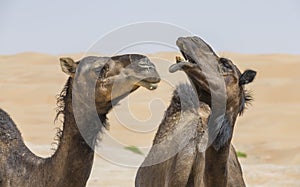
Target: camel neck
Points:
(217, 154)
(75, 153)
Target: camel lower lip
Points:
(148, 85)
(179, 65)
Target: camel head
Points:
(111, 78)
(208, 73)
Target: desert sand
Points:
(268, 132)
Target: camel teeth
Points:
(179, 59)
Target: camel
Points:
(90, 83)
(201, 154)
(185, 121)
(200, 57)
(177, 143)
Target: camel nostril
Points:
(146, 65)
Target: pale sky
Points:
(57, 27)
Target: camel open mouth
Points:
(187, 58)
(196, 52)
(182, 64)
(148, 83)
(197, 56)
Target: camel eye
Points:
(98, 70)
(101, 70)
(225, 64)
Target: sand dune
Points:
(267, 132)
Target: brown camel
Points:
(178, 143)
(177, 157)
(208, 73)
(91, 85)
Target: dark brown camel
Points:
(208, 73)
(177, 157)
(91, 85)
(178, 143)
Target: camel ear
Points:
(68, 65)
(247, 77)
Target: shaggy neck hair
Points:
(60, 116)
